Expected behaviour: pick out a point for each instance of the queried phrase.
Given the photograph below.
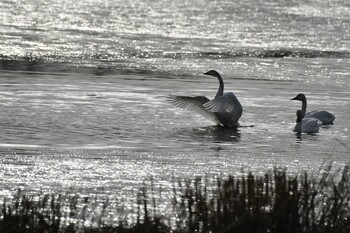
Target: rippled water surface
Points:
(62, 131)
(83, 90)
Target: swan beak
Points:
(207, 73)
(295, 98)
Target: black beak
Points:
(295, 98)
(207, 73)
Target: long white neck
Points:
(221, 86)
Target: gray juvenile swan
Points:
(306, 125)
(224, 109)
(324, 116)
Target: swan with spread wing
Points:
(224, 109)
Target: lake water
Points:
(84, 83)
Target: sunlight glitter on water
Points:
(96, 120)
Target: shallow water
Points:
(111, 133)
(84, 83)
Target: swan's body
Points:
(224, 109)
(324, 116)
(306, 125)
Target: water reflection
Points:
(224, 134)
(215, 134)
(300, 137)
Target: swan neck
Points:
(303, 108)
(221, 87)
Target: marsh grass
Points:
(273, 202)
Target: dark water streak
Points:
(103, 64)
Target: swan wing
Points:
(216, 105)
(225, 103)
(193, 103)
(226, 108)
(324, 116)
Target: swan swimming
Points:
(224, 109)
(306, 125)
(324, 116)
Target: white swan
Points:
(224, 109)
(324, 116)
(306, 125)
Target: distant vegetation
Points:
(274, 202)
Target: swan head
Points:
(213, 73)
(300, 97)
